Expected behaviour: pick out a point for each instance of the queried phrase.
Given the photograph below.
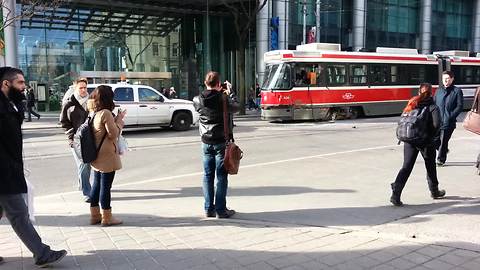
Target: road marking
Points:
(252, 166)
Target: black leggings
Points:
(410, 154)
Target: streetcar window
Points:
(476, 75)
(282, 78)
(336, 74)
(277, 77)
(416, 74)
(358, 74)
(394, 74)
(269, 74)
(467, 74)
(307, 74)
(379, 74)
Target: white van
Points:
(148, 107)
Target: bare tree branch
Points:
(29, 7)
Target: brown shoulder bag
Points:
(233, 153)
(472, 119)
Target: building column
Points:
(10, 34)
(281, 11)
(359, 27)
(476, 27)
(426, 27)
(263, 35)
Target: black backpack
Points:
(84, 141)
(413, 126)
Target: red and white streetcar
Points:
(318, 81)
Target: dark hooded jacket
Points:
(435, 120)
(73, 115)
(12, 180)
(450, 103)
(210, 106)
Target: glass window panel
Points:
(145, 94)
(123, 94)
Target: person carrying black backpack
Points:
(422, 103)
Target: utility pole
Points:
(304, 21)
(317, 22)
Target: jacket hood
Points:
(209, 98)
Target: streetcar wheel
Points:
(355, 112)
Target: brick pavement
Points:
(175, 242)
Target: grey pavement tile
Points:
(146, 264)
(383, 267)
(438, 265)
(416, 257)
(402, 264)
(454, 259)
(260, 266)
(333, 259)
(92, 266)
(471, 265)
(365, 262)
(288, 260)
(293, 267)
(419, 267)
(314, 265)
(227, 266)
(466, 253)
(134, 255)
(382, 256)
(348, 266)
(434, 251)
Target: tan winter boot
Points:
(108, 219)
(95, 216)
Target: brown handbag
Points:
(233, 153)
(472, 119)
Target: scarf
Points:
(81, 100)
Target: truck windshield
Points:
(277, 77)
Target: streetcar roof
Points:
(343, 56)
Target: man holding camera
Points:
(210, 106)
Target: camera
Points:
(224, 86)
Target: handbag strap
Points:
(226, 125)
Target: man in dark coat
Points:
(12, 182)
(449, 100)
(73, 115)
(210, 106)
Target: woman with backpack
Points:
(423, 101)
(106, 128)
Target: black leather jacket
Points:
(73, 115)
(210, 106)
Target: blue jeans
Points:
(83, 175)
(213, 156)
(17, 213)
(102, 184)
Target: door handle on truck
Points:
(143, 105)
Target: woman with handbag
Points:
(108, 126)
(424, 100)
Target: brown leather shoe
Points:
(108, 219)
(95, 216)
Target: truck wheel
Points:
(181, 121)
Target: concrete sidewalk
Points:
(163, 229)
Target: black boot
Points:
(395, 198)
(437, 194)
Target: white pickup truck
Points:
(148, 107)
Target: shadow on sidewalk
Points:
(324, 217)
(323, 254)
(240, 191)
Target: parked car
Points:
(148, 107)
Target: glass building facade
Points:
(53, 51)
